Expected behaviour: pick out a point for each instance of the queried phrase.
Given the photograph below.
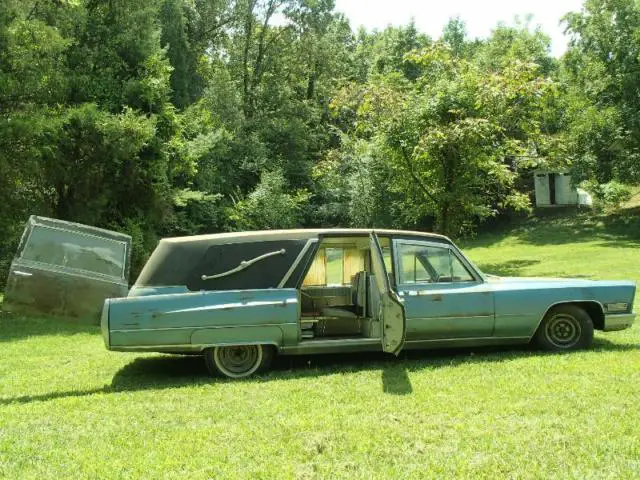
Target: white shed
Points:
(554, 188)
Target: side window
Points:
(333, 266)
(386, 256)
(430, 264)
(75, 250)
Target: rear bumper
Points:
(104, 324)
(618, 321)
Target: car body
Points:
(67, 270)
(239, 298)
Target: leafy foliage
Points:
(180, 117)
(269, 205)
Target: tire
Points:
(238, 361)
(565, 328)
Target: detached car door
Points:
(443, 298)
(67, 269)
(391, 314)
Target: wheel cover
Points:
(238, 361)
(563, 331)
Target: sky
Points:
(480, 16)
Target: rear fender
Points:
(203, 319)
(254, 335)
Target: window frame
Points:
(326, 267)
(398, 242)
(23, 250)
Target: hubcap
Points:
(563, 331)
(238, 361)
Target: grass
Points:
(71, 409)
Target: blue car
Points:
(241, 298)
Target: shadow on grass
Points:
(167, 372)
(14, 327)
(512, 268)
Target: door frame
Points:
(392, 317)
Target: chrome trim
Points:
(465, 339)
(618, 321)
(244, 264)
(295, 263)
(225, 306)
(311, 344)
(436, 287)
(74, 272)
(454, 317)
(185, 347)
(22, 274)
(202, 327)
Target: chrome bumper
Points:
(618, 321)
(104, 324)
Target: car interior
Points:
(339, 296)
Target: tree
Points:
(450, 138)
(602, 67)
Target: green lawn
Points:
(70, 409)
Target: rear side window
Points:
(78, 251)
(335, 266)
(222, 266)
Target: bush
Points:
(610, 194)
(270, 205)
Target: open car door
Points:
(391, 314)
(67, 270)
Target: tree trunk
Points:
(248, 34)
(443, 219)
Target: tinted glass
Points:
(75, 250)
(272, 261)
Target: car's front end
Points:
(609, 303)
(619, 315)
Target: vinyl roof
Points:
(267, 235)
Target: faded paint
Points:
(67, 270)
(483, 311)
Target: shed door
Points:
(391, 314)
(565, 194)
(543, 195)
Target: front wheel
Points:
(564, 328)
(238, 361)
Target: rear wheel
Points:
(238, 361)
(565, 328)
